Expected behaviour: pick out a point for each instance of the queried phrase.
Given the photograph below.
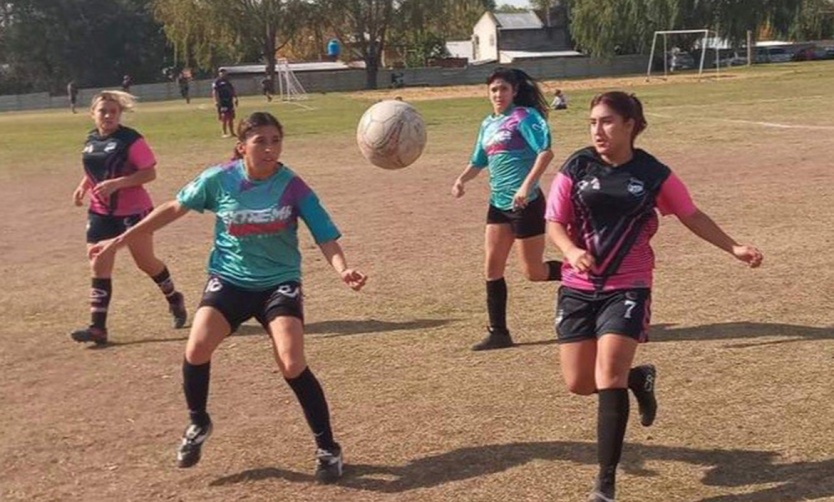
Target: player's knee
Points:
(291, 367)
(534, 272)
(580, 386)
(198, 353)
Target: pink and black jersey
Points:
(611, 213)
(119, 154)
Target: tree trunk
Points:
(269, 53)
(371, 65)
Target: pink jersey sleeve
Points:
(559, 202)
(140, 155)
(674, 198)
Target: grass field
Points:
(744, 356)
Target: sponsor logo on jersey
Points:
(591, 183)
(257, 221)
(109, 147)
(636, 187)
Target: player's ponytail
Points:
(626, 106)
(257, 119)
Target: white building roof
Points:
(295, 67)
(460, 49)
(509, 56)
(518, 20)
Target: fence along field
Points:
(744, 358)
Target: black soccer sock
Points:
(311, 397)
(195, 383)
(100, 293)
(497, 303)
(611, 428)
(166, 284)
(554, 270)
(636, 379)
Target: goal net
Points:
(676, 55)
(289, 88)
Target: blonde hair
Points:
(125, 100)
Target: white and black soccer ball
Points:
(391, 134)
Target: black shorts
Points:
(102, 226)
(586, 315)
(527, 222)
(225, 111)
(238, 305)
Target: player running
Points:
(117, 163)
(254, 271)
(602, 213)
(514, 144)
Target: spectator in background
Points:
(72, 92)
(268, 88)
(126, 83)
(184, 82)
(560, 101)
(225, 99)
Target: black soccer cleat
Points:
(92, 334)
(497, 338)
(641, 381)
(603, 488)
(178, 311)
(190, 449)
(328, 464)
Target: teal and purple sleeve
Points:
(313, 213)
(479, 156)
(199, 194)
(535, 130)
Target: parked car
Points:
(773, 55)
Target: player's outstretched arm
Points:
(700, 224)
(332, 251)
(158, 218)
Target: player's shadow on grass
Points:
(789, 333)
(724, 468)
(358, 327)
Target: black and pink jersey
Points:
(108, 157)
(610, 212)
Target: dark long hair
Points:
(527, 88)
(626, 106)
(257, 119)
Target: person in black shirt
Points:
(225, 99)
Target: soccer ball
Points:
(391, 134)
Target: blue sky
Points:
(514, 3)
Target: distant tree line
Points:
(45, 43)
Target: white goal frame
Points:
(289, 88)
(704, 40)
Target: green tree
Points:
(363, 26)
(602, 27)
(205, 32)
(45, 43)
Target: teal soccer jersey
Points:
(508, 144)
(256, 227)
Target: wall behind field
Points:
(354, 80)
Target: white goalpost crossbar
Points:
(704, 43)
